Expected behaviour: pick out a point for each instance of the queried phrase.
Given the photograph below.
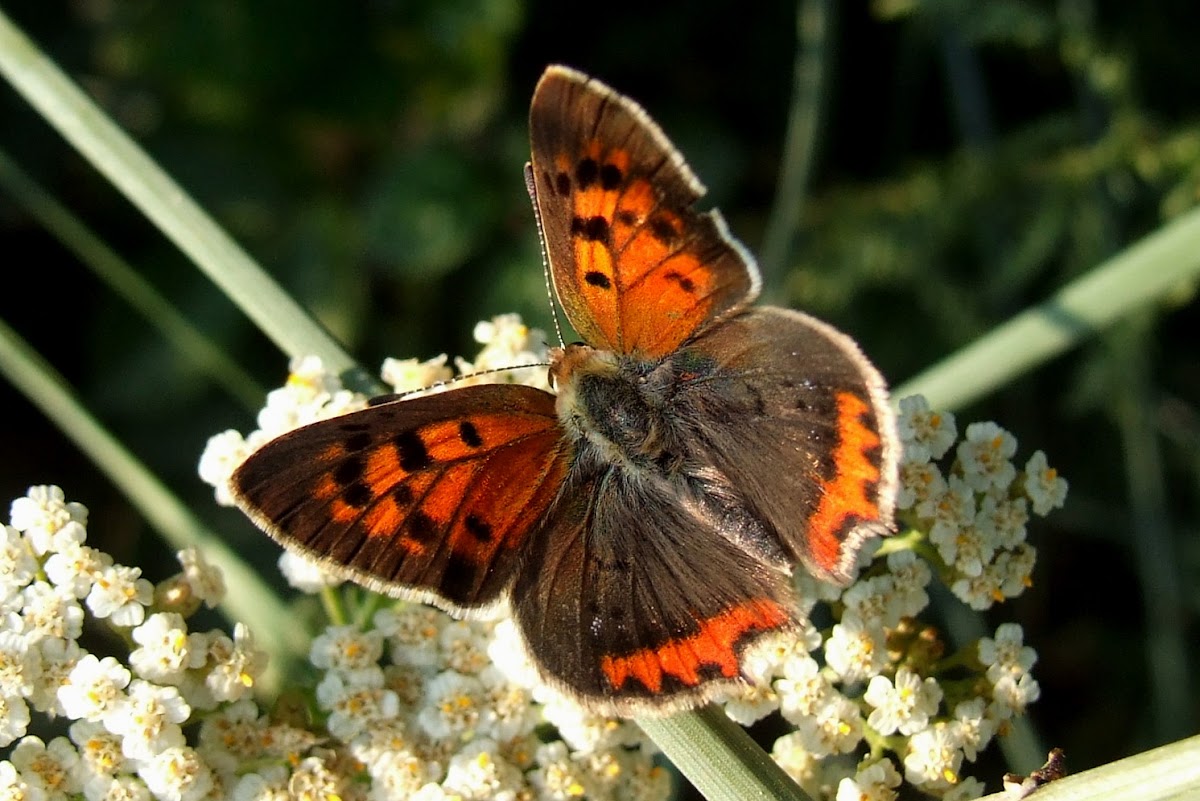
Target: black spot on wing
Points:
(412, 452)
(593, 229)
(422, 527)
(664, 231)
(469, 434)
(562, 184)
(479, 528)
(349, 471)
(685, 283)
(611, 177)
(356, 495)
(587, 172)
(598, 279)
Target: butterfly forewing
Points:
(430, 498)
(635, 266)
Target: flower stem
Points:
(718, 756)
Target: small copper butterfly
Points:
(643, 523)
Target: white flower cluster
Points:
(420, 705)
(125, 736)
(507, 342)
(870, 685)
(873, 682)
(310, 394)
(975, 513)
(512, 353)
(420, 701)
(414, 706)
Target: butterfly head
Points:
(616, 407)
(568, 366)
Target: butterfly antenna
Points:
(531, 187)
(491, 370)
(448, 382)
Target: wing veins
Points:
(560, 575)
(600, 112)
(459, 510)
(690, 240)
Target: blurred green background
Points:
(971, 159)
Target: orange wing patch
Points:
(467, 488)
(385, 517)
(635, 266)
(431, 469)
(507, 499)
(683, 659)
(597, 177)
(844, 498)
(675, 300)
(646, 288)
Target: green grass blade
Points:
(1157, 554)
(810, 76)
(702, 742)
(1168, 773)
(189, 342)
(249, 600)
(1134, 278)
(64, 105)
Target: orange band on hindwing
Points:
(844, 497)
(684, 659)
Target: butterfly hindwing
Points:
(632, 601)
(430, 498)
(796, 421)
(635, 266)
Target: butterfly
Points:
(643, 522)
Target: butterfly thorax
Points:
(614, 406)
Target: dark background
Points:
(974, 157)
